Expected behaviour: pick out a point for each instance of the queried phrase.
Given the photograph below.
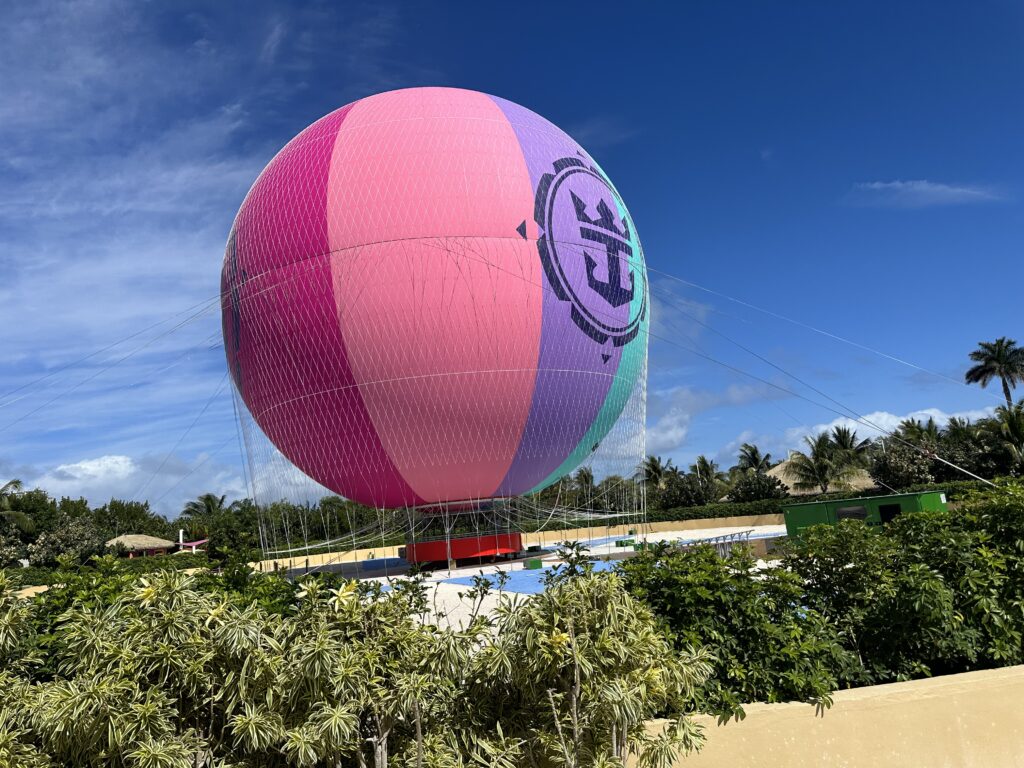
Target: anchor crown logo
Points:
(601, 300)
(604, 230)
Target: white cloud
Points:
(919, 193)
(670, 412)
(669, 432)
(117, 476)
(885, 422)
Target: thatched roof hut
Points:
(861, 481)
(134, 543)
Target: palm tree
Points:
(823, 466)
(584, 482)
(19, 519)
(1011, 431)
(845, 439)
(958, 427)
(706, 470)
(710, 479)
(750, 457)
(916, 431)
(1000, 359)
(654, 471)
(200, 513)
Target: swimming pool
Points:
(522, 582)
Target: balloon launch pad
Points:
(434, 298)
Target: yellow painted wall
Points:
(312, 561)
(973, 720)
(600, 532)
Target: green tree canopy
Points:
(822, 466)
(1001, 359)
(750, 457)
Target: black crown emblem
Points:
(594, 306)
(604, 231)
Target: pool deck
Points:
(448, 589)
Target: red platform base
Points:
(464, 548)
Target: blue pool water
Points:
(523, 582)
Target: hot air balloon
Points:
(434, 295)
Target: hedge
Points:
(35, 576)
(718, 509)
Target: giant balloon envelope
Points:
(434, 295)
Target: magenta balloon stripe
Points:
(282, 336)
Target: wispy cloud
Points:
(670, 412)
(130, 138)
(603, 131)
(919, 193)
(273, 42)
(167, 485)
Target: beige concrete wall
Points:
(973, 720)
(312, 561)
(599, 532)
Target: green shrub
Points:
(140, 565)
(766, 647)
(757, 486)
(38, 575)
(933, 593)
(901, 466)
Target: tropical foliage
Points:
(751, 458)
(244, 669)
(934, 593)
(931, 593)
(174, 671)
(765, 647)
(751, 485)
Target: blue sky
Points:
(857, 169)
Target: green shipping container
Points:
(873, 510)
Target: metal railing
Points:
(723, 543)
